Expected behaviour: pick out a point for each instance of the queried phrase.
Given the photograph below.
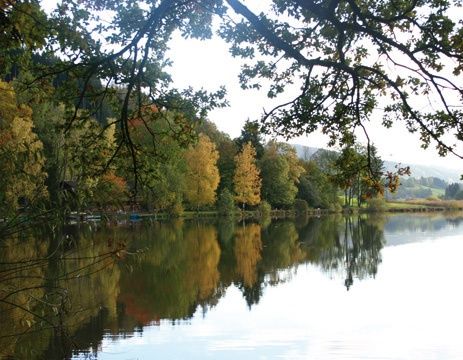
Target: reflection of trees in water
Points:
(178, 271)
(47, 293)
(182, 266)
(279, 251)
(454, 219)
(351, 245)
(248, 248)
(22, 279)
(426, 222)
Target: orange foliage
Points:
(118, 183)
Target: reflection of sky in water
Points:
(404, 228)
(412, 310)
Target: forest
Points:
(208, 170)
(90, 119)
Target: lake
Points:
(333, 287)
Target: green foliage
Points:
(251, 133)
(226, 203)
(265, 209)
(73, 95)
(300, 206)
(276, 187)
(226, 164)
(359, 173)
(377, 204)
(176, 209)
(83, 158)
(161, 166)
(453, 191)
(280, 172)
(23, 26)
(316, 188)
(340, 86)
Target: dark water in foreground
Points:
(318, 288)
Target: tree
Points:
(21, 158)
(276, 187)
(452, 191)
(280, 172)
(370, 183)
(226, 203)
(359, 173)
(251, 133)
(202, 177)
(83, 159)
(349, 165)
(111, 190)
(247, 181)
(161, 168)
(227, 149)
(226, 164)
(349, 56)
(316, 188)
(345, 57)
(19, 30)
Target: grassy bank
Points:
(425, 205)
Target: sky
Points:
(208, 64)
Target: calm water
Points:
(318, 288)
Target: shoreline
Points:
(254, 214)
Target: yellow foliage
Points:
(247, 179)
(248, 252)
(21, 159)
(203, 269)
(203, 175)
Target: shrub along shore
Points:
(414, 206)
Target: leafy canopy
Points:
(350, 59)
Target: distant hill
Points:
(417, 171)
(305, 152)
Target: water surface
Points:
(320, 288)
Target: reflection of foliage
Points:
(183, 265)
(179, 270)
(48, 289)
(21, 281)
(282, 249)
(420, 222)
(248, 248)
(353, 246)
(261, 263)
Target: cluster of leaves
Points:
(21, 155)
(91, 59)
(352, 60)
(344, 55)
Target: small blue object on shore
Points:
(134, 217)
